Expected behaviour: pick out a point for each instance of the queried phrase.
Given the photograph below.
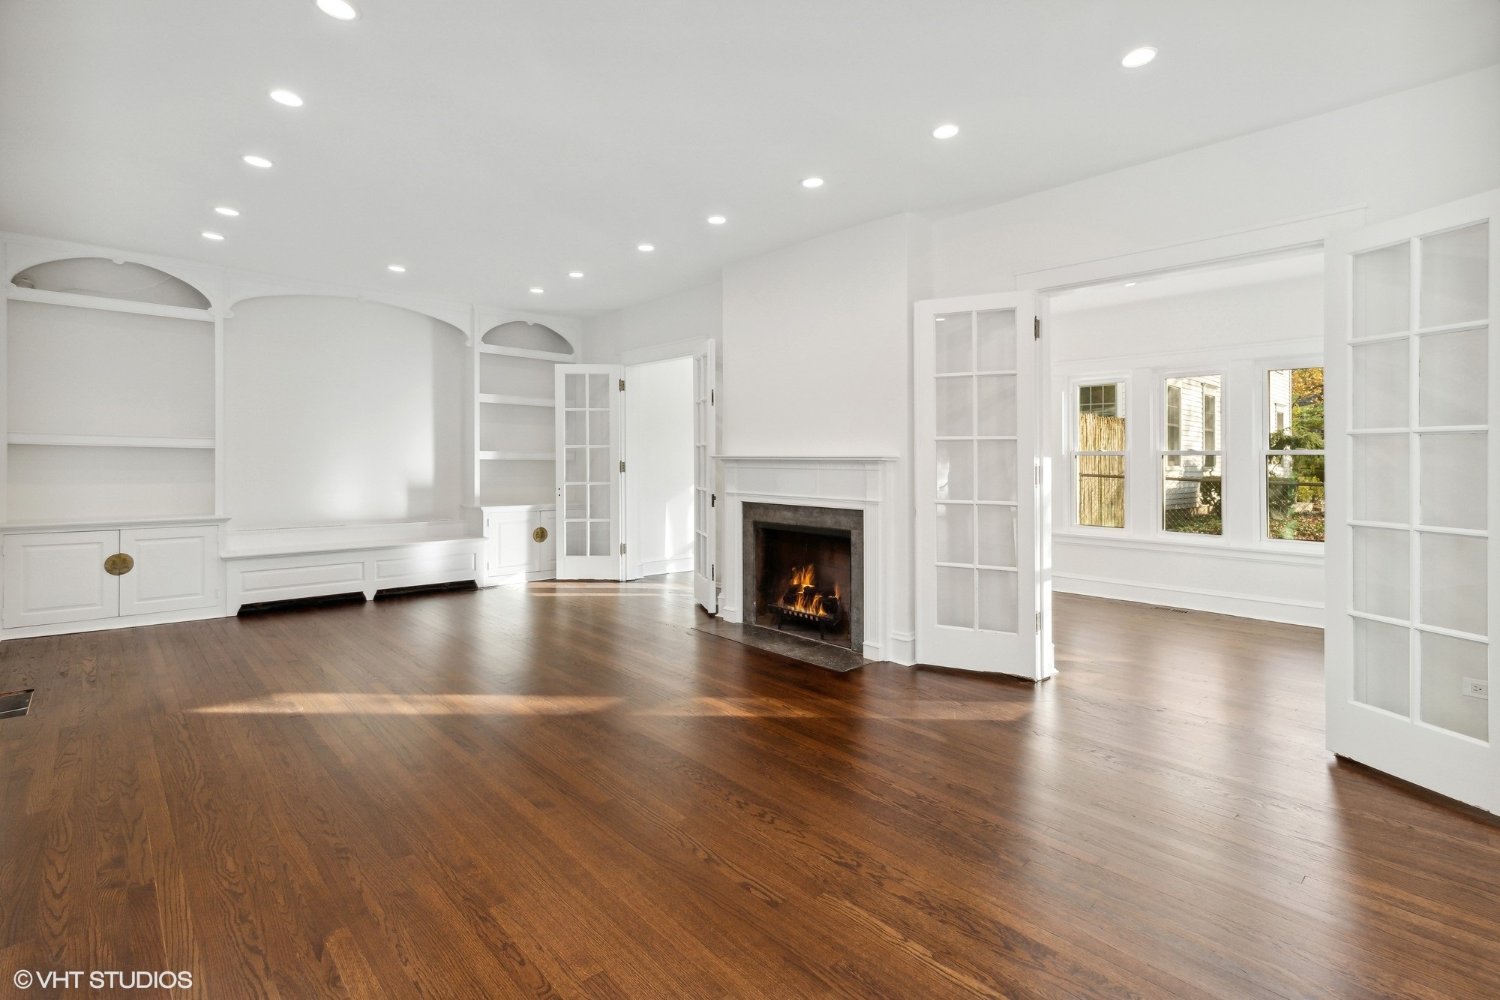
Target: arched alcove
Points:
(99, 276)
(526, 336)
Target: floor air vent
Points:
(13, 703)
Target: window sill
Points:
(1207, 546)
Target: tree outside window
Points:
(1295, 494)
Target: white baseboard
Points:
(903, 648)
(657, 567)
(1271, 609)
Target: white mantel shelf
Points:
(857, 482)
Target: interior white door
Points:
(981, 582)
(176, 568)
(1411, 380)
(58, 576)
(590, 472)
(705, 487)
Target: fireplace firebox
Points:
(804, 571)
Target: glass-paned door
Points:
(590, 471)
(1411, 572)
(705, 499)
(981, 590)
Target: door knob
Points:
(119, 564)
(539, 535)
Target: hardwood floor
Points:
(564, 790)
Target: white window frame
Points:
(1263, 418)
(1121, 382)
(1161, 452)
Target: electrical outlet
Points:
(1476, 688)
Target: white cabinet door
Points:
(543, 552)
(983, 593)
(1413, 376)
(58, 576)
(176, 569)
(590, 471)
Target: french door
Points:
(705, 499)
(983, 592)
(1412, 380)
(590, 472)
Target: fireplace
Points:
(804, 571)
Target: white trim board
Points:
(1219, 602)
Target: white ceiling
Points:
(1258, 270)
(492, 145)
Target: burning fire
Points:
(807, 600)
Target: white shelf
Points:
(497, 399)
(45, 297)
(517, 456)
(519, 352)
(107, 441)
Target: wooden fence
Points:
(1101, 478)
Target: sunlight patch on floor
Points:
(341, 703)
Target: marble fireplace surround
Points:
(852, 483)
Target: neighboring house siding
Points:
(1179, 491)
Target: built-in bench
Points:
(291, 563)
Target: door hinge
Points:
(622, 385)
(1039, 622)
(1036, 328)
(622, 552)
(713, 573)
(711, 397)
(713, 499)
(622, 465)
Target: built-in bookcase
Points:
(111, 374)
(515, 360)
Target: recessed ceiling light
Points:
(1136, 58)
(212, 236)
(812, 182)
(286, 97)
(945, 131)
(537, 290)
(1129, 284)
(226, 210)
(257, 161)
(396, 268)
(716, 220)
(645, 247)
(340, 9)
(575, 274)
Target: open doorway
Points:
(659, 515)
(1188, 441)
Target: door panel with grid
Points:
(589, 456)
(979, 593)
(1411, 576)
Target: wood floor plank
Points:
(565, 790)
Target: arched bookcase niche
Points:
(239, 300)
(521, 335)
(341, 411)
(121, 280)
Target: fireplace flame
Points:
(806, 600)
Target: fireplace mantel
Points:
(864, 483)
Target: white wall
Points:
(639, 333)
(816, 361)
(659, 485)
(339, 411)
(1396, 154)
(1237, 331)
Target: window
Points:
(1192, 495)
(1099, 455)
(1294, 454)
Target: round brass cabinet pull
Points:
(119, 564)
(539, 535)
